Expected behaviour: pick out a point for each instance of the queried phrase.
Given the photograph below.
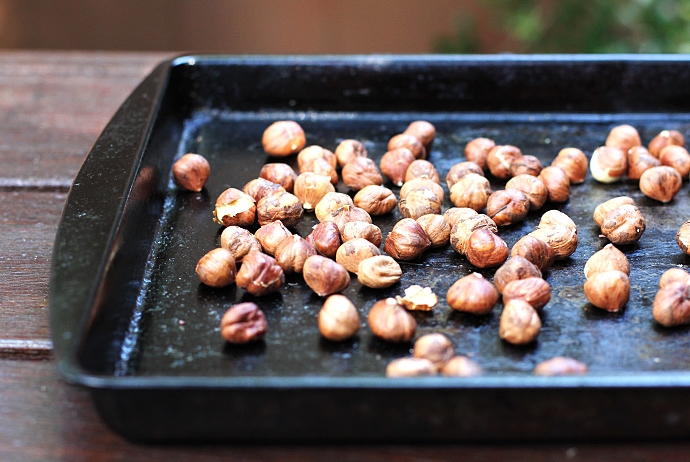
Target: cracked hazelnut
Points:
(461, 231)
(560, 365)
(406, 241)
(500, 158)
(436, 227)
(425, 182)
(674, 275)
(364, 230)
(375, 200)
(532, 187)
(338, 318)
(239, 241)
(661, 183)
(419, 201)
(243, 323)
(623, 137)
(217, 268)
(283, 138)
(461, 169)
(310, 188)
(526, 165)
(485, 249)
(378, 272)
(639, 161)
(394, 164)
(664, 139)
(477, 151)
(519, 323)
(346, 214)
(676, 157)
(421, 168)
(410, 142)
(325, 276)
(351, 253)
(534, 291)
(556, 217)
(271, 235)
(348, 150)
(259, 188)
(424, 131)
(281, 206)
(278, 173)
(310, 153)
(260, 274)
(293, 252)
(623, 225)
(602, 209)
(191, 172)
(234, 208)
(608, 290)
(535, 251)
(563, 240)
(418, 298)
(326, 238)
(607, 259)
(471, 191)
(320, 167)
(331, 202)
(435, 347)
(508, 206)
(557, 184)
(472, 294)
(389, 321)
(671, 306)
(574, 163)
(361, 172)
(456, 214)
(461, 366)
(514, 269)
(683, 238)
(608, 164)
(410, 367)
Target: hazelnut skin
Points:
(270, 236)
(461, 169)
(376, 200)
(322, 167)
(605, 207)
(364, 230)
(471, 191)
(674, 275)
(191, 171)
(472, 294)
(661, 183)
(234, 208)
(608, 290)
(260, 274)
(532, 187)
(310, 153)
(348, 150)
(623, 137)
(574, 163)
(671, 306)
(676, 157)
(310, 188)
(217, 268)
(346, 214)
(477, 151)
(419, 182)
(410, 367)
(461, 231)
(281, 206)
(557, 184)
(389, 321)
(379, 272)
(534, 291)
(338, 318)
(325, 276)
(394, 164)
(243, 323)
(331, 202)
(424, 131)
(683, 238)
(410, 142)
(562, 239)
(361, 172)
(508, 206)
(239, 241)
(537, 252)
(526, 165)
(351, 253)
(421, 168)
(407, 240)
(608, 164)
(292, 253)
(419, 201)
(461, 366)
(560, 365)
(485, 249)
(500, 158)
(278, 173)
(436, 227)
(514, 269)
(607, 259)
(639, 161)
(519, 323)
(283, 138)
(623, 225)
(555, 217)
(326, 238)
(259, 188)
(456, 214)
(664, 139)
(435, 347)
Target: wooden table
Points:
(52, 108)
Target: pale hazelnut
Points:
(346, 214)
(485, 249)
(361, 172)
(562, 239)
(322, 167)
(533, 187)
(623, 137)
(639, 161)
(425, 182)
(671, 306)
(419, 201)
(472, 294)
(461, 169)
(437, 228)
(514, 269)
(507, 206)
(348, 150)
(471, 191)
(217, 268)
(574, 163)
(278, 173)
(676, 157)
(456, 214)
(500, 158)
(461, 366)
(405, 140)
(338, 318)
(519, 323)
(326, 238)
(260, 274)
(271, 235)
(661, 183)
(239, 241)
(351, 253)
(376, 200)
(378, 272)
(560, 365)
(604, 208)
(409, 367)
(608, 290)
(556, 217)
(234, 208)
(623, 225)
(424, 131)
(407, 240)
(364, 230)
(477, 151)
(435, 347)
(608, 164)
(389, 321)
(243, 323)
(461, 231)
(674, 275)
(394, 164)
(310, 188)
(535, 251)
(607, 259)
(665, 138)
(421, 168)
(534, 291)
(281, 206)
(557, 184)
(292, 253)
(683, 237)
(310, 153)
(283, 138)
(526, 165)
(259, 188)
(331, 202)
(418, 298)
(191, 171)
(325, 276)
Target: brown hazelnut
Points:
(500, 158)
(394, 164)
(461, 366)
(477, 151)
(683, 238)
(418, 298)
(361, 172)
(271, 235)
(410, 367)
(461, 169)
(348, 150)
(663, 139)
(259, 188)
(281, 174)
(471, 191)
(191, 172)
(526, 165)
(325, 276)
(557, 184)
(338, 318)
(514, 269)
(406, 241)
(322, 167)
(260, 274)
(661, 183)
(560, 365)
(676, 157)
(283, 138)
(436, 227)
(310, 153)
(389, 321)
(364, 230)
(520, 323)
(419, 201)
(472, 294)
(243, 323)
(461, 231)
(623, 225)
(608, 164)
(239, 241)
(435, 347)
(533, 187)
(310, 188)
(293, 252)
(217, 268)
(425, 182)
(535, 251)
(281, 206)
(674, 275)
(507, 207)
(604, 208)
(331, 202)
(234, 208)
(421, 168)
(485, 249)
(623, 137)
(456, 214)
(534, 291)
(375, 199)
(424, 131)
(410, 142)
(671, 306)
(563, 240)
(608, 290)
(556, 217)
(378, 272)
(346, 214)
(639, 161)
(574, 163)
(607, 259)
(326, 238)
(351, 253)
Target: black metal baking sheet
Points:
(131, 321)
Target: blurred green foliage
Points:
(578, 26)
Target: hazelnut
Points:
(310, 188)
(471, 191)
(191, 172)
(623, 225)
(639, 161)
(526, 165)
(477, 151)
(310, 153)
(283, 138)
(557, 184)
(562, 239)
(674, 275)
(394, 164)
(331, 202)
(574, 163)
(406, 241)
(520, 323)
(506, 207)
(418, 298)
(555, 217)
(661, 183)
(217, 268)
(322, 167)
(560, 365)
(424, 131)
(281, 174)
(456, 214)
(410, 367)
(364, 230)
(425, 182)
(293, 252)
(623, 137)
(378, 272)
(419, 201)
(533, 187)
(461, 366)
(472, 294)
(348, 150)
(461, 169)
(608, 290)
(375, 200)
(676, 157)
(410, 142)
(271, 235)
(607, 259)
(664, 139)
(326, 238)
(338, 318)
(485, 249)
(534, 291)
(325, 276)
(239, 241)
(514, 269)
(460, 233)
(500, 158)
(683, 238)
(436, 227)
(281, 206)
(671, 306)
(421, 168)
(234, 208)
(435, 347)
(346, 214)
(259, 188)
(361, 172)
(608, 164)
(351, 253)
(389, 321)
(602, 209)
(537, 252)
(243, 323)
(260, 274)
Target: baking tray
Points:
(131, 322)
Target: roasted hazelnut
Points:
(378, 272)
(485, 249)
(472, 294)
(560, 365)
(534, 291)
(293, 252)
(608, 290)
(461, 232)
(271, 235)
(520, 323)
(217, 268)
(259, 188)
(500, 158)
(608, 164)
(424, 131)
(555, 217)
(676, 157)
(514, 269)
(407, 240)
(623, 137)
(239, 241)
(346, 214)
(563, 240)
(461, 366)
(671, 306)
(351, 253)
(477, 151)
(508, 206)
(310, 153)
(234, 208)
(243, 323)
(394, 164)
(326, 238)
(639, 161)
(419, 201)
(536, 251)
(310, 188)
(532, 187)
(435, 347)
(191, 172)
(320, 167)
(661, 183)
(425, 182)
(574, 163)
(557, 184)
(281, 174)
(456, 214)
(418, 298)
(389, 321)
(674, 275)
(361, 172)
(283, 138)
(664, 139)
(409, 367)
(331, 202)
(281, 206)
(421, 168)
(623, 225)
(348, 150)
(604, 208)
(436, 227)
(405, 140)
(375, 199)
(338, 318)
(325, 276)
(364, 230)
(461, 169)
(683, 237)
(471, 191)
(260, 274)
(607, 259)
(526, 165)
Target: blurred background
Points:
(348, 26)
